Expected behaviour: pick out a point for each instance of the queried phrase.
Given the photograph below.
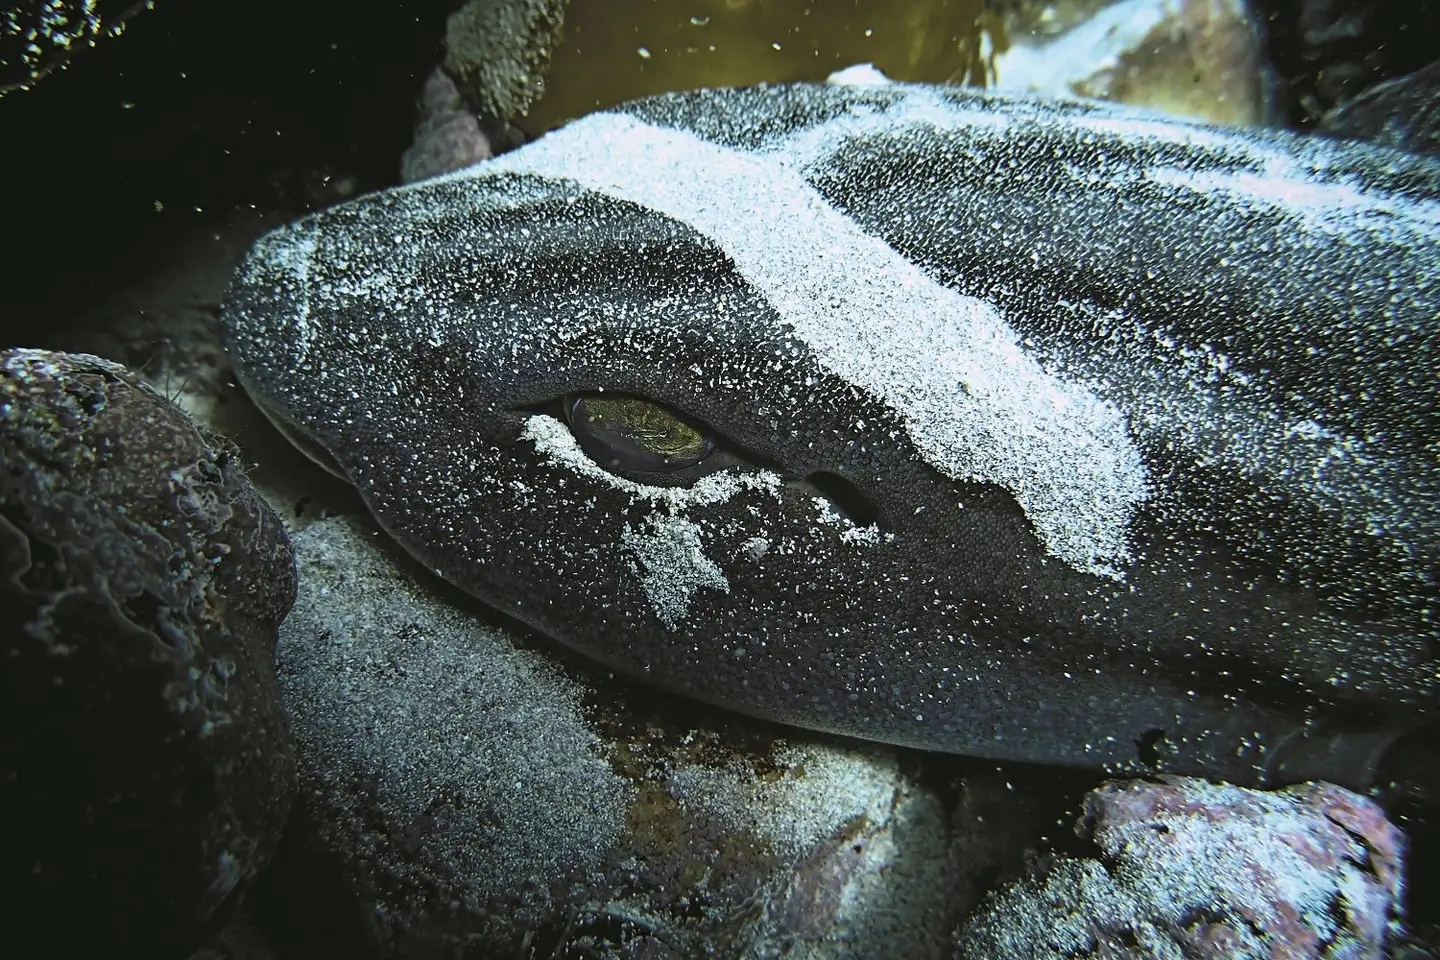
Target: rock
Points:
(241, 939)
(475, 790)
(1403, 112)
(499, 52)
(1190, 869)
(145, 768)
(1190, 58)
(447, 134)
(1331, 51)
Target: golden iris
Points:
(635, 435)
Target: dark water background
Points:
(199, 107)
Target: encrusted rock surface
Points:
(145, 767)
(499, 51)
(1201, 871)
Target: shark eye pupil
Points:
(635, 435)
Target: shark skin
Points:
(1045, 431)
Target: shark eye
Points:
(635, 436)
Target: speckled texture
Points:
(145, 767)
(789, 824)
(498, 51)
(416, 723)
(475, 792)
(38, 37)
(1098, 373)
(1188, 869)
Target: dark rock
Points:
(1196, 58)
(1201, 871)
(1404, 113)
(145, 767)
(447, 134)
(1330, 51)
(499, 51)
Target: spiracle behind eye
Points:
(634, 435)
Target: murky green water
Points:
(615, 50)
